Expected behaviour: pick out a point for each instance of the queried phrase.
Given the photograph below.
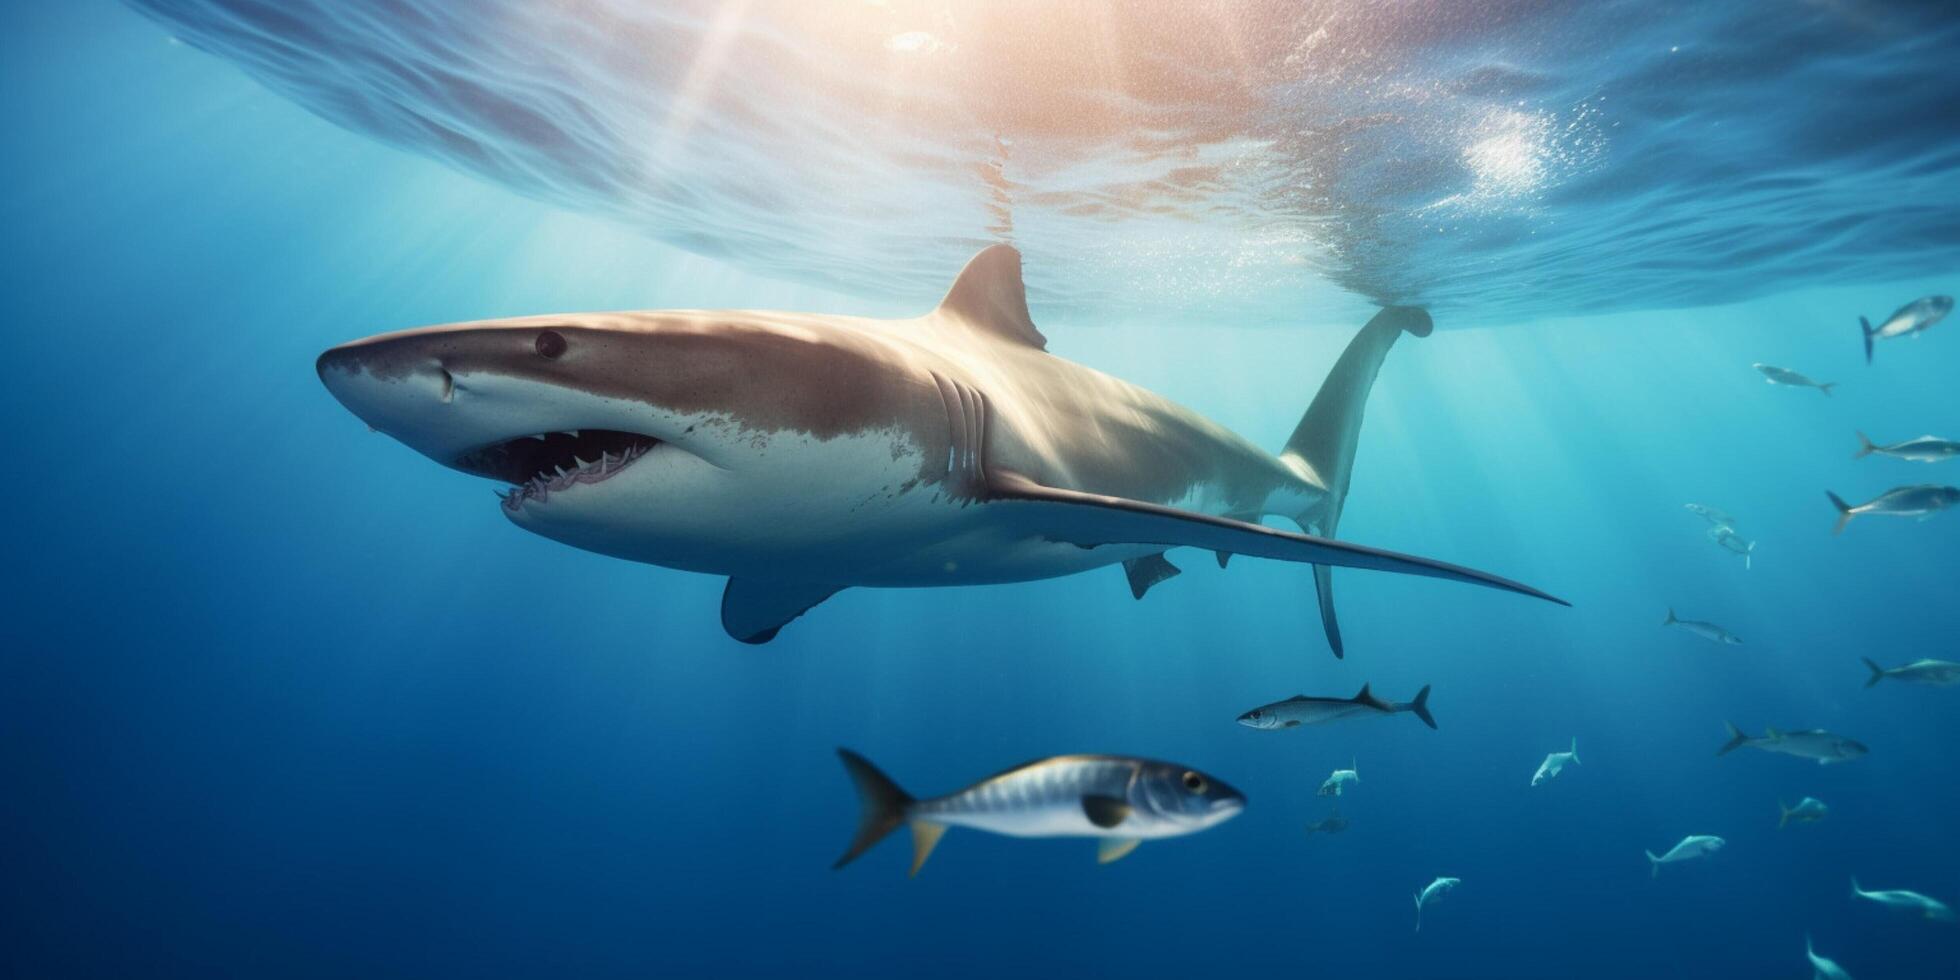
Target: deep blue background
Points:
(279, 697)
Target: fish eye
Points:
(551, 343)
(1253, 714)
(1194, 782)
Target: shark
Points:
(801, 454)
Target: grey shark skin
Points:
(1815, 744)
(1921, 501)
(1821, 967)
(1906, 901)
(1933, 673)
(1911, 319)
(1303, 710)
(1706, 630)
(1119, 800)
(1810, 809)
(1925, 449)
(800, 454)
(1691, 847)
(1784, 376)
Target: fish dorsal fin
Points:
(1772, 734)
(988, 297)
(1296, 697)
(1364, 697)
(1105, 811)
(1115, 848)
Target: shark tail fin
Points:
(1843, 509)
(1784, 819)
(1736, 740)
(1654, 861)
(1321, 450)
(1421, 707)
(1878, 673)
(1866, 325)
(884, 808)
(1865, 447)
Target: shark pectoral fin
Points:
(1115, 848)
(1148, 571)
(1105, 811)
(753, 611)
(1089, 520)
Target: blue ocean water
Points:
(279, 697)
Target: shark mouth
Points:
(538, 466)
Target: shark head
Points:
(641, 435)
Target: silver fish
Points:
(1337, 781)
(1921, 500)
(1691, 847)
(1120, 800)
(1822, 967)
(1935, 673)
(1726, 537)
(1430, 893)
(1555, 763)
(1913, 318)
(1899, 898)
(1710, 514)
(1705, 630)
(1303, 710)
(1925, 449)
(1814, 743)
(1784, 376)
(1810, 809)
(1334, 824)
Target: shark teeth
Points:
(542, 485)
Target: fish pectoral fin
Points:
(1089, 520)
(754, 611)
(1111, 849)
(1148, 571)
(1291, 723)
(925, 837)
(1105, 811)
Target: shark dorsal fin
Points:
(988, 296)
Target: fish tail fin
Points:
(1670, 620)
(1321, 449)
(1421, 707)
(1575, 750)
(1866, 325)
(1865, 447)
(883, 808)
(1736, 740)
(1808, 949)
(1826, 387)
(1654, 862)
(1843, 509)
(1855, 890)
(1784, 819)
(1878, 673)
(1418, 911)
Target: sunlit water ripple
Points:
(1205, 162)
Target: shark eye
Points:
(551, 343)
(1194, 782)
